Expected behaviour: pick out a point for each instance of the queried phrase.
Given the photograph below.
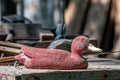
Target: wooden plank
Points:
(108, 34)
(5, 59)
(93, 74)
(39, 44)
(45, 35)
(96, 19)
(75, 75)
(10, 44)
(116, 18)
(9, 51)
(74, 15)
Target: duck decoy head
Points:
(81, 44)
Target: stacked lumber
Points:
(99, 19)
(88, 17)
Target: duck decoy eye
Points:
(84, 43)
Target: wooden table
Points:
(98, 69)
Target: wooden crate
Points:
(99, 69)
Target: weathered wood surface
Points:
(10, 44)
(99, 69)
(116, 18)
(93, 18)
(74, 16)
(9, 51)
(5, 59)
(46, 35)
(95, 22)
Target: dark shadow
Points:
(108, 35)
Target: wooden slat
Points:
(9, 44)
(96, 19)
(46, 35)
(74, 15)
(75, 75)
(9, 51)
(5, 59)
(116, 17)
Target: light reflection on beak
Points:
(93, 48)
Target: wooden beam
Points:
(5, 59)
(10, 44)
(74, 15)
(96, 19)
(9, 51)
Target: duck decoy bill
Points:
(92, 48)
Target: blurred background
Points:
(99, 19)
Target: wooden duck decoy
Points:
(40, 58)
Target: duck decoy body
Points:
(40, 58)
